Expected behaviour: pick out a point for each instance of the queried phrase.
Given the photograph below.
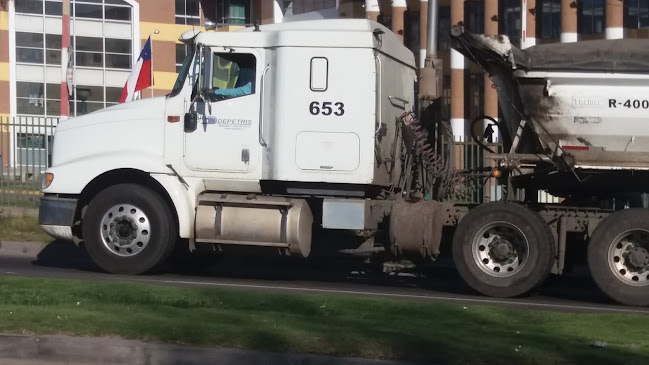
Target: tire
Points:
(503, 249)
(119, 213)
(615, 268)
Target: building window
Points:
(510, 20)
(233, 12)
(91, 52)
(38, 48)
(188, 12)
(548, 19)
(474, 16)
(35, 98)
(591, 16)
(637, 14)
(444, 29)
(307, 6)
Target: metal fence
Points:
(25, 153)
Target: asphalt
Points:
(573, 292)
(66, 350)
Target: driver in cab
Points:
(233, 76)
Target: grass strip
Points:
(335, 325)
(21, 229)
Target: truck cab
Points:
(268, 132)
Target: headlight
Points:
(48, 177)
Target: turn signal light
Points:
(47, 180)
(173, 118)
(496, 173)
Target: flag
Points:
(141, 76)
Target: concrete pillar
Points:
(372, 10)
(528, 23)
(398, 10)
(568, 21)
(423, 31)
(614, 19)
(458, 65)
(490, 95)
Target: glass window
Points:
(548, 19)
(236, 12)
(510, 20)
(90, 93)
(30, 140)
(188, 12)
(87, 59)
(118, 61)
(118, 45)
(113, 94)
(29, 55)
(474, 16)
(118, 13)
(89, 44)
(30, 98)
(53, 41)
(29, 90)
(181, 53)
(233, 75)
(305, 6)
(53, 91)
(29, 6)
(53, 8)
(34, 40)
(88, 11)
(52, 57)
(444, 33)
(637, 14)
(591, 16)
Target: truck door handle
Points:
(261, 110)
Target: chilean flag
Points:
(141, 76)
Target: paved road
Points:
(574, 292)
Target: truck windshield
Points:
(184, 70)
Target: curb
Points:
(60, 349)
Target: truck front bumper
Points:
(56, 216)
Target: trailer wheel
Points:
(618, 257)
(503, 249)
(129, 229)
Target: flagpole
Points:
(151, 37)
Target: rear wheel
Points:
(503, 249)
(129, 229)
(618, 257)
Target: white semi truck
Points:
(276, 134)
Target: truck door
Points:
(227, 136)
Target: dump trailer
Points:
(304, 137)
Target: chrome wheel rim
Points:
(628, 257)
(125, 230)
(500, 249)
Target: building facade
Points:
(107, 36)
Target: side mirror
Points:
(206, 70)
(191, 122)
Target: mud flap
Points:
(416, 227)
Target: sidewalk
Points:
(59, 350)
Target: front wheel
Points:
(129, 229)
(503, 249)
(618, 257)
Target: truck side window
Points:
(233, 75)
(319, 74)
